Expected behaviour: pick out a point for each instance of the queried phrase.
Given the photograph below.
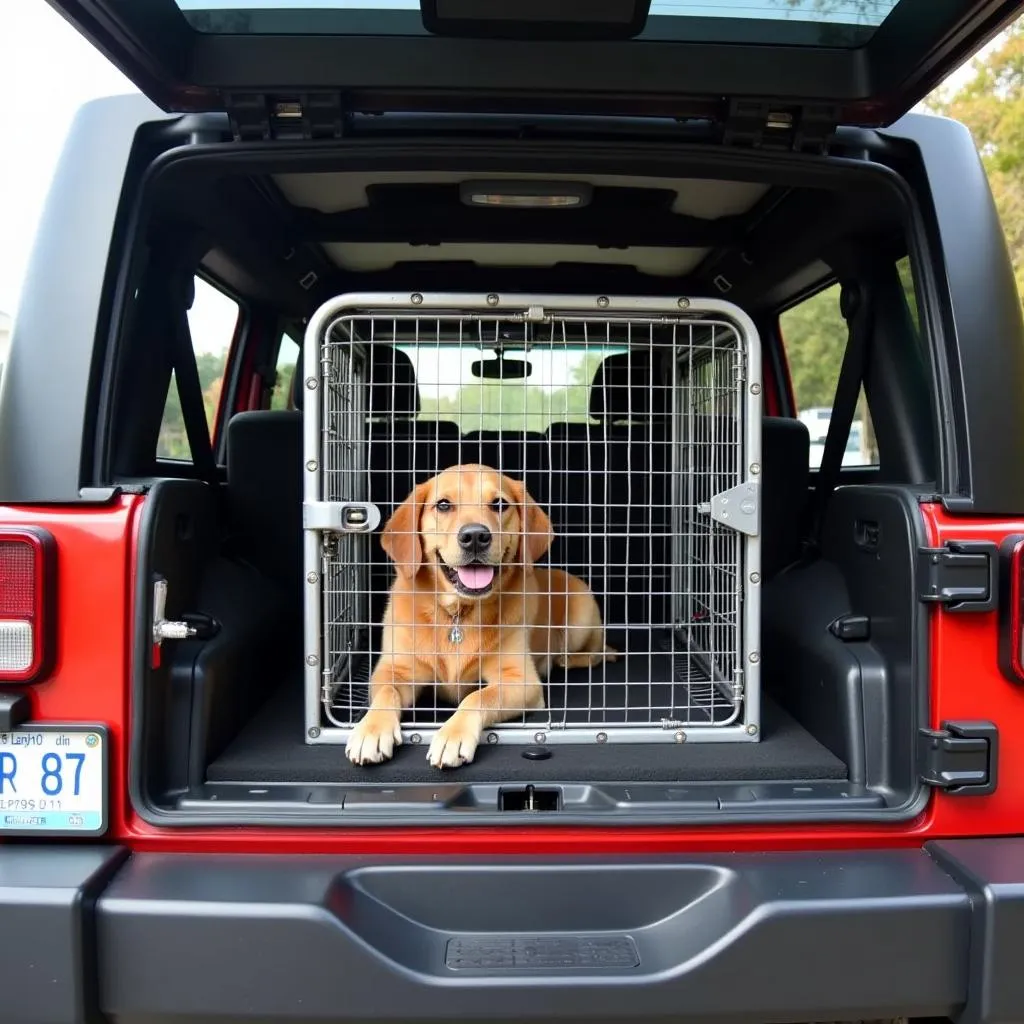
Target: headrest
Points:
(623, 389)
(392, 392)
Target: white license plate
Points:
(53, 779)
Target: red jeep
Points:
(793, 797)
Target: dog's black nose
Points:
(474, 538)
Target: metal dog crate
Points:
(636, 425)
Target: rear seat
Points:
(403, 450)
(611, 492)
(520, 455)
(609, 500)
(608, 478)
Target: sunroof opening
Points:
(821, 23)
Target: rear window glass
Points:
(557, 389)
(791, 22)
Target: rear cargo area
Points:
(228, 724)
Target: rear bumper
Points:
(784, 937)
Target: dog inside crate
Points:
(623, 430)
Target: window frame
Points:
(864, 473)
(229, 387)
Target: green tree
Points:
(173, 441)
(991, 105)
(516, 404)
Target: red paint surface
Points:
(90, 684)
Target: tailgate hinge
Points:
(961, 575)
(255, 116)
(961, 758)
(780, 124)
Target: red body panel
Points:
(90, 684)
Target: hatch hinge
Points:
(961, 758)
(961, 575)
(256, 116)
(780, 124)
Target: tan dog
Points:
(469, 606)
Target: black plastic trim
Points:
(15, 709)
(992, 873)
(962, 576)
(961, 758)
(273, 937)
(49, 971)
(969, 304)
(925, 932)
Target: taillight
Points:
(27, 577)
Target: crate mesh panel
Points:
(622, 430)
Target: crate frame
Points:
(323, 518)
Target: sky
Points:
(46, 71)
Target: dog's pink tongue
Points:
(475, 577)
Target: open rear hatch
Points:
(784, 73)
(783, 69)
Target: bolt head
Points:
(680, 736)
(751, 730)
(313, 578)
(755, 389)
(754, 657)
(314, 732)
(417, 299)
(312, 660)
(683, 303)
(602, 737)
(492, 299)
(540, 737)
(602, 301)
(755, 577)
(755, 468)
(415, 738)
(311, 383)
(311, 465)
(492, 737)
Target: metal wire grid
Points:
(345, 554)
(624, 432)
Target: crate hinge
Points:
(961, 758)
(257, 116)
(799, 127)
(961, 575)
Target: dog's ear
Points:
(401, 536)
(537, 531)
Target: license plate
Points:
(53, 780)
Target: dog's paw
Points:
(453, 746)
(374, 739)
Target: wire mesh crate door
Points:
(624, 428)
(710, 384)
(345, 555)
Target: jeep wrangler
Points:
(177, 840)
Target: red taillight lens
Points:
(1016, 617)
(26, 595)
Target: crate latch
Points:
(340, 516)
(739, 508)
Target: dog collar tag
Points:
(455, 634)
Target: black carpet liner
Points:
(652, 680)
(271, 749)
